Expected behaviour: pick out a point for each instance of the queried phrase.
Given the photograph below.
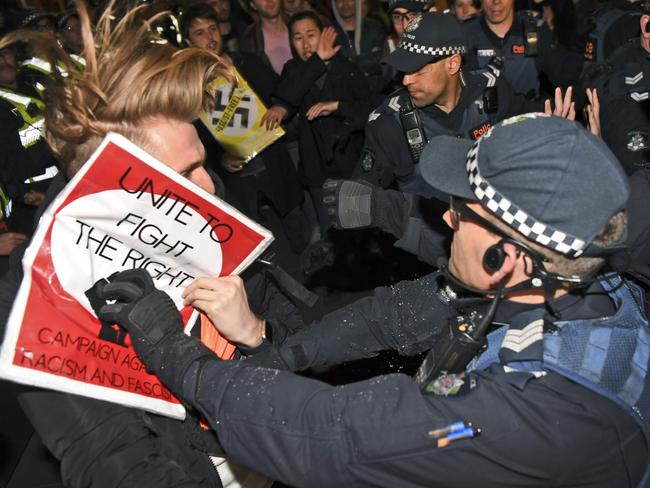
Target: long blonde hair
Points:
(130, 75)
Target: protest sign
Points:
(236, 121)
(122, 210)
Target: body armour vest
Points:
(608, 355)
(519, 69)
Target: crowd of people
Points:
(504, 144)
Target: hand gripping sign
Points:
(122, 210)
(236, 121)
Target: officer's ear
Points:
(645, 26)
(507, 263)
(453, 64)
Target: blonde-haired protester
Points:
(143, 88)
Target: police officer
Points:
(519, 46)
(436, 99)
(27, 165)
(561, 395)
(624, 91)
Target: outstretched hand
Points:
(564, 106)
(326, 48)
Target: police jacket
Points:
(26, 162)
(537, 428)
(387, 156)
(329, 146)
(624, 93)
(521, 67)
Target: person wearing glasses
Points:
(557, 394)
(436, 98)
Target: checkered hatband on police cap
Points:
(515, 217)
(433, 51)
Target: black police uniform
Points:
(387, 157)
(624, 93)
(380, 432)
(522, 63)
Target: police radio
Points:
(463, 339)
(453, 350)
(413, 130)
(530, 34)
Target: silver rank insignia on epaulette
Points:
(373, 116)
(637, 140)
(394, 103)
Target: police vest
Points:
(519, 69)
(43, 67)
(609, 356)
(31, 112)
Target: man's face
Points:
(428, 84)
(267, 9)
(292, 6)
(346, 8)
(8, 67)
(401, 18)
(468, 246)
(221, 8)
(71, 34)
(177, 145)
(305, 35)
(464, 9)
(499, 11)
(204, 33)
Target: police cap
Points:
(545, 177)
(426, 39)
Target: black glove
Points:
(350, 204)
(155, 326)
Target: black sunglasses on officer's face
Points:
(458, 208)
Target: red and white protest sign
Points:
(122, 210)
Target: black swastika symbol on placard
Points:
(242, 115)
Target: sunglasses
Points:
(458, 210)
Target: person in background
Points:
(361, 40)
(69, 32)
(229, 27)
(331, 99)
(269, 177)
(464, 9)
(268, 36)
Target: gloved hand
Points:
(154, 323)
(350, 204)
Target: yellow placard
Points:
(236, 121)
